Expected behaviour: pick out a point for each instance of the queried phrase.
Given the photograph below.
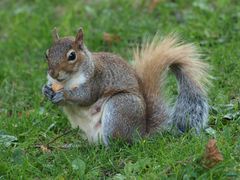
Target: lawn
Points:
(28, 122)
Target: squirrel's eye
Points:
(71, 55)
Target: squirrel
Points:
(107, 98)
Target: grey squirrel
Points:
(108, 98)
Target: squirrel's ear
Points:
(79, 38)
(55, 34)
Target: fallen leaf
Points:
(211, 131)
(212, 155)
(69, 146)
(79, 165)
(153, 4)
(45, 149)
(110, 38)
(6, 139)
(29, 112)
(228, 116)
(231, 116)
(19, 114)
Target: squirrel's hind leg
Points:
(123, 117)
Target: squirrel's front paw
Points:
(48, 92)
(58, 97)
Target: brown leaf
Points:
(45, 149)
(212, 155)
(110, 38)
(19, 114)
(153, 4)
(29, 112)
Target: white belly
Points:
(82, 118)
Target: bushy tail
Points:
(151, 64)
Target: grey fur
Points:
(191, 107)
(58, 97)
(123, 117)
(62, 45)
(83, 95)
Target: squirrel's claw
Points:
(47, 91)
(57, 97)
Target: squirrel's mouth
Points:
(60, 80)
(62, 76)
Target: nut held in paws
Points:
(56, 87)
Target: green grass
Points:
(25, 34)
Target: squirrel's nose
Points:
(53, 73)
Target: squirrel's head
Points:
(66, 55)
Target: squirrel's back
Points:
(115, 72)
